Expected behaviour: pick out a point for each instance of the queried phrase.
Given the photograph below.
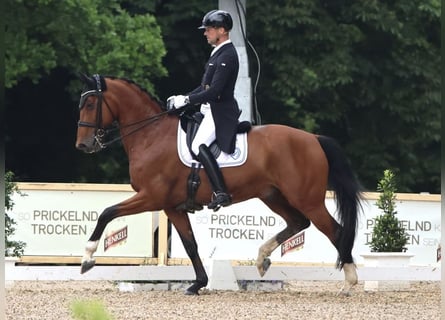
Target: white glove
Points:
(171, 103)
(175, 102)
(180, 101)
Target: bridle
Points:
(100, 132)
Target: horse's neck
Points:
(135, 113)
(141, 130)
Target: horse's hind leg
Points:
(324, 222)
(295, 223)
(263, 261)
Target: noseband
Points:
(99, 130)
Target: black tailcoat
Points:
(217, 88)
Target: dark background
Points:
(376, 130)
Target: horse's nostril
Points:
(81, 146)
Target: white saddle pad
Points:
(237, 158)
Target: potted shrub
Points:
(388, 234)
(389, 237)
(13, 249)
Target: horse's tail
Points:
(347, 195)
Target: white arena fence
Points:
(55, 221)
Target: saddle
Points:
(190, 120)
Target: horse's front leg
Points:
(182, 224)
(105, 217)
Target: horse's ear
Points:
(88, 81)
(103, 83)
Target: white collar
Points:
(219, 46)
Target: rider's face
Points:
(214, 35)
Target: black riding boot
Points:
(220, 196)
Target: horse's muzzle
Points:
(88, 147)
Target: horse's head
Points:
(93, 118)
(110, 104)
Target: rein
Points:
(99, 131)
(143, 122)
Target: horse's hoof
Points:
(87, 265)
(344, 293)
(345, 290)
(266, 264)
(194, 289)
(191, 293)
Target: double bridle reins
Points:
(99, 130)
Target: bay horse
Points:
(287, 168)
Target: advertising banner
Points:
(59, 223)
(237, 232)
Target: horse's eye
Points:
(89, 105)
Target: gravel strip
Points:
(50, 300)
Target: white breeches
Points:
(206, 131)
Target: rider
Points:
(218, 104)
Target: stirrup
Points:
(219, 199)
